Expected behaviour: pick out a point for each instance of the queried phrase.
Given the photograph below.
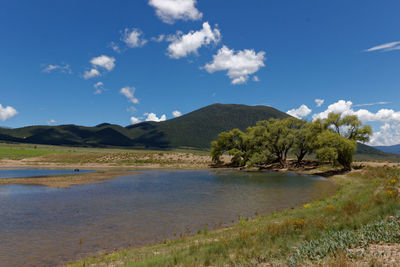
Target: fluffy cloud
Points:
(300, 112)
(7, 112)
(51, 122)
(133, 38)
(171, 10)
(388, 133)
(176, 113)
(385, 47)
(153, 117)
(104, 62)
(99, 88)
(339, 107)
(239, 64)
(319, 102)
(135, 120)
(91, 73)
(183, 45)
(129, 93)
(62, 68)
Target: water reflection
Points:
(44, 226)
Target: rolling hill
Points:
(193, 130)
(389, 149)
(365, 152)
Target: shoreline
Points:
(103, 172)
(298, 219)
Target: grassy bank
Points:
(321, 232)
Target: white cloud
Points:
(133, 38)
(176, 113)
(7, 112)
(153, 117)
(62, 68)
(171, 10)
(300, 112)
(129, 93)
(103, 61)
(91, 73)
(99, 88)
(135, 120)
(319, 102)
(239, 65)
(159, 38)
(183, 45)
(256, 79)
(51, 122)
(372, 104)
(339, 107)
(388, 133)
(385, 47)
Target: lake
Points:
(47, 226)
(19, 173)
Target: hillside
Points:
(389, 149)
(365, 152)
(195, 129)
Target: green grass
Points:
(361, 203)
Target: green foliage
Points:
(334, 139)
(233, 142)
(332, 242)
(335, 148)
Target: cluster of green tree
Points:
(333, 139)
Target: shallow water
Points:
(46, 226)
(18, 173)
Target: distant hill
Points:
(193, 130)
(365, 152)
(389, 149)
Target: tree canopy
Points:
(333, 139)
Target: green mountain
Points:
(193, 130)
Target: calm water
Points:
(43, 226)
(17, 173)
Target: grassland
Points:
(342, 230)
(107, 162)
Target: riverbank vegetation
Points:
(362, 215)
(333, 140)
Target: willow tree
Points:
(234, 143)
(275, 136)
(305, 137)
(339, 140)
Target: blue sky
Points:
(154, 57)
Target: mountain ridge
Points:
(195, 129)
